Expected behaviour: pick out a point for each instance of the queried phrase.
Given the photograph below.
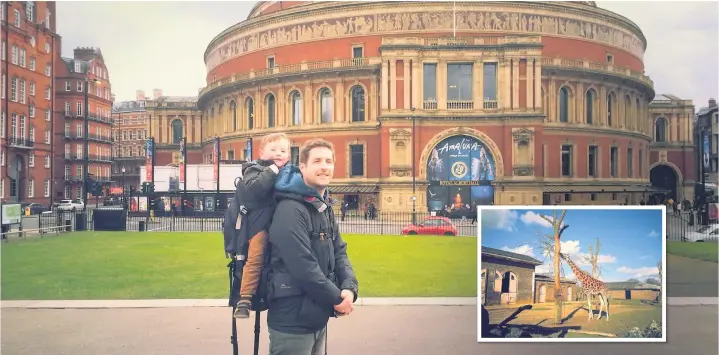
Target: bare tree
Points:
(593, 259)
(559, 227)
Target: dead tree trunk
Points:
(559, 228)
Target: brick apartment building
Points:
(84, 73)
(29, 44)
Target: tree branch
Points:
(547, 219)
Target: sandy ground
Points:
(622, 316)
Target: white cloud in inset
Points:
(499, 219)
(524, 249)
(653, 234)
(533, 218)
(641, 272)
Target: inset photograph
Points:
(576, 273)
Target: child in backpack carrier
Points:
(259, 180)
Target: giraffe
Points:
(590, 286)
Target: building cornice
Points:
(585, 23)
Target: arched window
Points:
(177, 133)
(564, 96)
(233, 109)
(627, 111)
(325, 106)
(250, 106)
(610, 108)
(358, 104)
(296, 108)
(270, 105)
(660, 130)
(590, 100)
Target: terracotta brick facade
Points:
(519, 104)
(29, 44)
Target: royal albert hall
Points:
(465, 103)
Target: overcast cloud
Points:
(149, 45)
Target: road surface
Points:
(386, 330)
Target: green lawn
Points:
(700, 251)
(120, 265)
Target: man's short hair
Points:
(273, 137)
(312, 144)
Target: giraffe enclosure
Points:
(538, 321)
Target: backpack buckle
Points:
(322, 235)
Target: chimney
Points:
(156, 93)
(139, 95)
(712, 102)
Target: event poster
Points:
(460, 170)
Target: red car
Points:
(431, 226)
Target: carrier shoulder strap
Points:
(316, 221)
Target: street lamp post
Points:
(123, 184)
(414, 173)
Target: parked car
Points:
(35, 208)
(431, 226)
(708, 233)
(70, 205)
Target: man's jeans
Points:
(297, 344)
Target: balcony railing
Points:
(21, 142)
(292, 68)
(96, 157)
(136, 157)
(91, 117)
(491, 104)
(460, 104)
(585, 64)
(429, 105)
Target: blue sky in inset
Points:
(631, 241)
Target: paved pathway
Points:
(386, 330)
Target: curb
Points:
(369, 301)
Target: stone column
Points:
(406, 83)
(371, 113)
(393, 83)
(579, 102)
(602, 101)
(514, 70)
(308, 102)
(552, 100)
(674, 129)
(341, 115)
(416, 87)
(538, 83)
(530, 85)
(477, 89)
(384, 85)
(441, 84)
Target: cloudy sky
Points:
(630, 246)
(150, 45)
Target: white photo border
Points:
(663, 281)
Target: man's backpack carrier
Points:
(236, 246)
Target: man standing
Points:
(311, 276)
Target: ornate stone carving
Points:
(504, 21)
(400, 171)
(523, 170)
(400, 135)
(520, 135)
